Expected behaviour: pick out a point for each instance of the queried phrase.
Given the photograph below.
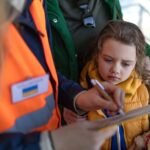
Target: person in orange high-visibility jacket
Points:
(29, 82)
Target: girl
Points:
(12, 137)
(118, 60)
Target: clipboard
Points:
(118, 119)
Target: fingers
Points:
(116, 92)
(104, 135)
(94, 126)
(93, 100)
(122, 97)
(101, 135)
(103, 103)
(119, 97)
(108, 132)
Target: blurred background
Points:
(138, 12)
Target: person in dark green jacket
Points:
(70, 36)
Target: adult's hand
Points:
(92, 100)
(71, 117)
(81, 136)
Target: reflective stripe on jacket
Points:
(39, 112)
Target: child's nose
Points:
(115, 69)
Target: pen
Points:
(102, 91)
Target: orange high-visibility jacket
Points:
(39, 112)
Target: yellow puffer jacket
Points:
(136, 95)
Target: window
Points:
(138, 12)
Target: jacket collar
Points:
(25, 19)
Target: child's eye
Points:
(107, 60)
(125, 64)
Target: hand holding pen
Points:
(92, 100)
(102, 91)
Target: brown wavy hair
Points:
(127, 33)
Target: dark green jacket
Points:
(147, 49)
(65, 53)
(63, 48)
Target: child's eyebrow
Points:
(124, 60)
(128, 61)
(105, 55)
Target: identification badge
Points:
(29, 88)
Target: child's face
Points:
(116, 61)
